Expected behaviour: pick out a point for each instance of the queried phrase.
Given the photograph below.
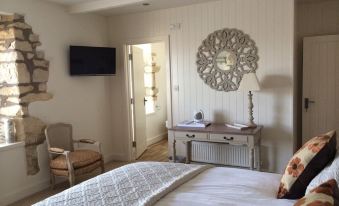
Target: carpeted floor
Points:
(157, 152)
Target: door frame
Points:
(128, 89)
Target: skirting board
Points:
(157, 139)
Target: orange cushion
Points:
(305, 164)
(78, 158)
(79, 171)
(325, 194)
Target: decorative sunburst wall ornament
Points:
(224, 57)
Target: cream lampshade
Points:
(248, 84)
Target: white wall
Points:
(269, 22)
(156, 122)
(15, 184)
(83, 101)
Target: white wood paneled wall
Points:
(318, 18)
(270, 23)
(314, 18)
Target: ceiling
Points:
(313, 1)
(118, 7)
(69, 2)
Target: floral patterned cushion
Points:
(325, 194)
(306, 163)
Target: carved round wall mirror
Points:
(224, 57)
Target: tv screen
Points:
(92, 61)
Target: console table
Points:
(221, 134)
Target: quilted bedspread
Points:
(141, 183)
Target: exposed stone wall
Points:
(23, 77)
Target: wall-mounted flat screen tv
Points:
(92, 61)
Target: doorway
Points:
(149, 83)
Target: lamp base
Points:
(251, 125)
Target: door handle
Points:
(307, 103)
(145, 100)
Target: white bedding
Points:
(144, 183)
(227, 186)
(136, 184)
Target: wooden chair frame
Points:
(53, 151)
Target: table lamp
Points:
(250, 83)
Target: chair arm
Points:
(59, 151)
(55, 150)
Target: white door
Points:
(139, 104)
(320, 85)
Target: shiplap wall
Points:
(314, 18)
(318, 18)
(270, 23)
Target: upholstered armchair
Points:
(64, 160)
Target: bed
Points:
(162, 184)
(228, 186)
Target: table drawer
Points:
(191, 135)
(230, 138)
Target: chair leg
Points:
(52, 179)
(71, 175)
(71, 179)
(102, 166)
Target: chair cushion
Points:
(306, 163)
(79, 171)
(79, 158)
(325, 194)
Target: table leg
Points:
(188, 151)
(174, 151)
(251, 151)
(259, 156)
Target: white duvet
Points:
(144, 183)
(227, 186)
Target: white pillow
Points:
(331, 171)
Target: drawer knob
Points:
(229, 138)
(190, 136)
